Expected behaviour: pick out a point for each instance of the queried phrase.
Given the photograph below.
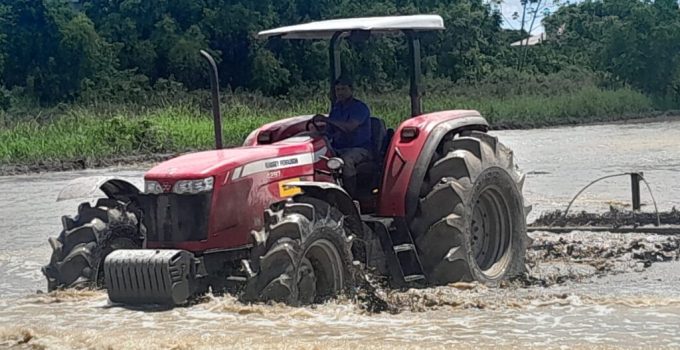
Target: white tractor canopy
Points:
(338, 29)
(376, 25)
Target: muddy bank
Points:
(45, 166)
(615, 218)
(634, 118)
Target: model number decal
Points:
(274, 174)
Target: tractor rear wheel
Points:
(302, 255)
(470, 222)
(78, 253)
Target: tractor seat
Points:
(369, 171)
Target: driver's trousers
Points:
(352, 157)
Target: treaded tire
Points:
(470, 223)
(78, 252)
(301, 256)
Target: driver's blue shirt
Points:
(359, 137)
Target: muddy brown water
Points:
(627, 305)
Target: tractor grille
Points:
(170, 217)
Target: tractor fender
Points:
(334, 195)
(434, 138)
(407, 161)
(87, 187)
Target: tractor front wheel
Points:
(78, 253)
(302, 255)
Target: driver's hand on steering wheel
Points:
(319, 122)
(320, 118)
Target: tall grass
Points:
(99, 131)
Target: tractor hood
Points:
(217, 162)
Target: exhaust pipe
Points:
(215, 89)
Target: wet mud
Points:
(614, 218)
(550, 260)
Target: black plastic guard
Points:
(147, 276)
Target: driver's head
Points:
(343, 89)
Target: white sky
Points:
(508, 7)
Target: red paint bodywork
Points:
(401, 158)
(238, 203)
(280, 129)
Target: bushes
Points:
(110, 130)
(135, 135)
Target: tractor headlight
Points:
(152, 187)
(335, 163)
(193, 186)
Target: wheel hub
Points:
(490, 232)
(325, 260)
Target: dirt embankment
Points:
(613, 218)
(82, 163)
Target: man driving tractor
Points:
(349, 129)
(445, 202)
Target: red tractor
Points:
(440, 203)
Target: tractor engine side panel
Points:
(407, 160)
(246, 210)
(237, 202)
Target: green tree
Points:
(53, 49)
(636, 42)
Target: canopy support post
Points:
(335, 63)
(415, 91)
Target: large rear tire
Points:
(302, 255)
(470, 221)
(79, 251)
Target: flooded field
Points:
(586, 290)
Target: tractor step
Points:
(404, 248)
(402, 256)
(413, 278)
(237, 278)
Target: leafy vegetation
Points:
(637, 42)
(96, 131)
(61, 50)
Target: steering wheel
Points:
(313, 121)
